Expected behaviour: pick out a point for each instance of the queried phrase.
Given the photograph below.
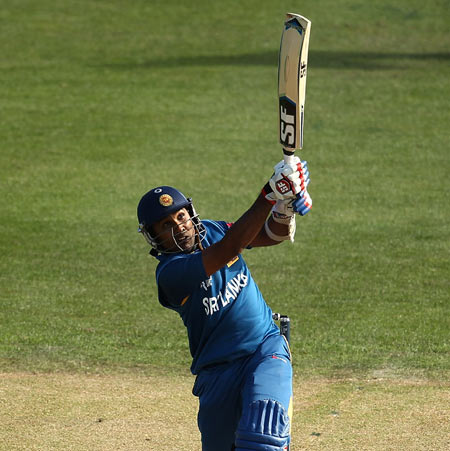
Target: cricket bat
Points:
(292, 69)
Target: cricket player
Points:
(242, 363)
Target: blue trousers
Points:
(225, 390)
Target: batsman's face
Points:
(176, 232)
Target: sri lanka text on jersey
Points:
(232, 290)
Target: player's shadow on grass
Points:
(370, 60)
(317, 59)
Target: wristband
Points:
(275, 237)
(281, 218)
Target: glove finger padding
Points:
(303, 204)
(304, 176)
(301, 168)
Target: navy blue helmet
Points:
(156, 205)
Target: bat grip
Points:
(288, 156)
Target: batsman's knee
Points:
(264, 425)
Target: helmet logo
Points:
(166, 200)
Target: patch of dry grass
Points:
(114, 412)
(137, 412)
(375, 414)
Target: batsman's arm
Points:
(277, 229)
(241, 234)
(248, 230)
(284, 184)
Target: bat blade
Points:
(292, 69)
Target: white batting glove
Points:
(283, 211)
(304, 176)
(286, 181)
(303, 204)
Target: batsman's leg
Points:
(267, 399)
(219, 390)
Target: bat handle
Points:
(288, 155)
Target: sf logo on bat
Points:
(288, 111)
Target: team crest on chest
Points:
(166, 200)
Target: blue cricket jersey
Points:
(225, 315)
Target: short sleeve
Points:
(179, 277)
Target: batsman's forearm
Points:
(262, 240)
(247, 227)
(240, 235)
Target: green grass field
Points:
(102, 100)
